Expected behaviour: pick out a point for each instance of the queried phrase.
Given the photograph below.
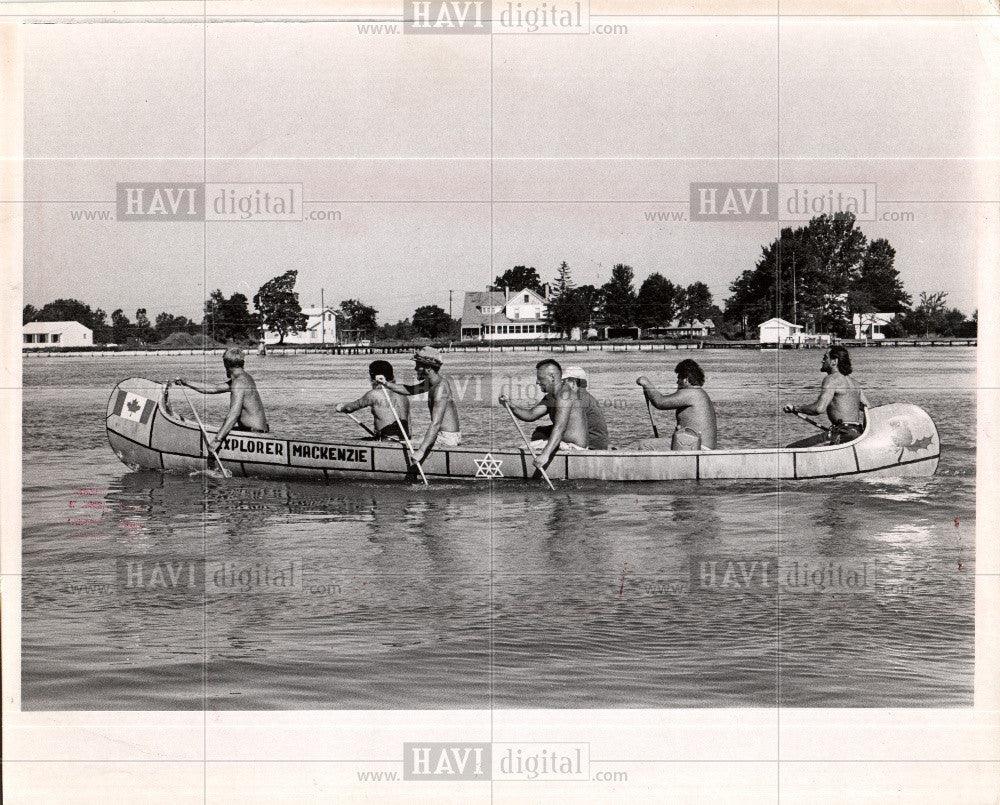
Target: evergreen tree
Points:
(564, 309)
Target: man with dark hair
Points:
(245, 406)
(840, 398)
(386, 427)
(689, 370)
(696, 429)
(563, 405)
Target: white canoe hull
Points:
(899, 440)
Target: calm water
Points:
(467, 596)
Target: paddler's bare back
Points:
(383, 414)
(846, 403)
(252, 414)
(698, 414)
(576, 425)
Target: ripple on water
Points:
(590, 596)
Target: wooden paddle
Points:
(225, 473)
(649, 410)
(812, 422)
(402, 430)
(362, 424)
(527, 444)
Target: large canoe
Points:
(899, 440)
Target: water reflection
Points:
(584, 597)
(427, 598)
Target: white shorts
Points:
(448, 438)
(539, 444)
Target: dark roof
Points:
(475, 301)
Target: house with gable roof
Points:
(506, 316)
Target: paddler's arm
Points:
(559, 423)
(220, 388)
(826, 394)
(523, 413)
(405, 390)
(442, 395)
(355, 405)
(235, 409)
(663, 402)
(864, 400)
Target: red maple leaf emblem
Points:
(133, 406)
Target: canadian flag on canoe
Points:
(133, 406)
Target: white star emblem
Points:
(488, 467)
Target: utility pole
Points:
(450, 319)
(795, 319)
(322, 319)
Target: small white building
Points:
(52, 334)
(779, 331)
(506, 316)
(321, 328)
(869, 325)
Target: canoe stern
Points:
(902, 439)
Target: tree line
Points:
(825, 273)
(230, 319)
(657, 303)
(820, 275)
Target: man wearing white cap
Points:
(597, 427)
(562, 403)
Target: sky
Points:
(442, 179)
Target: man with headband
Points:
(444, 429)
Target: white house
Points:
(506, 316)
(869, 325)
(49, 334)
(779, 331)
(321, 328)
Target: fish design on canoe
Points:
(903, 438)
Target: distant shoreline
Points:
(560, 347)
